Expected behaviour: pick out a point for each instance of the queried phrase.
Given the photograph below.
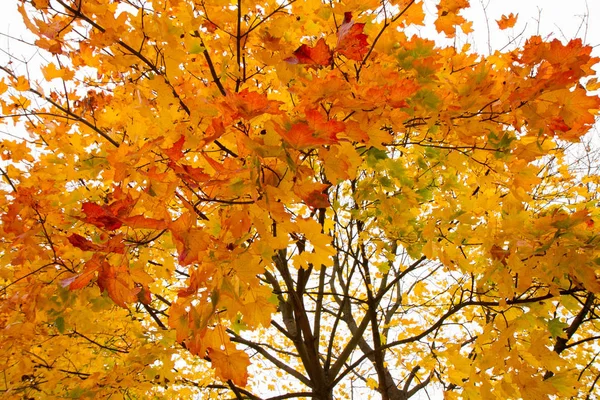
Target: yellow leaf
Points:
(372, 383)
(230, 364)
(51, 72)
(414, 15)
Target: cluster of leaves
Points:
(293, 199)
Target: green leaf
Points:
(556, 328)
(59, 323)
(374, 156)
(427, 98)
(197, 48)
(238, 325)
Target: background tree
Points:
(282, 199)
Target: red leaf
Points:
(314, 195)
(100, 216)
(174, 153)
(316, 199)
(210, 27)
(82, 243)
(144, 296)
(558, 124)
(352, 42)
(318, 56)
(498, 253)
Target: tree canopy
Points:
(273, 199)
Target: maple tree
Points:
(294, 199)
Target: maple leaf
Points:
(448, 16)
(500, 254)
(52, 45)
(257, 309)
(21, 84)
(51, 72)
(314, 132)
(192, 175)
(190, 241)
(114, 245)
(314, 195)
(142, 222)
(175, 152)
(558, 124)
(144, 296)
(414, 15)
(100, 216)
(352, 42)
(41, 4)
(318, 56)
(84, 278)
(248, 105)
(209, 26)
(230, 364)
(507, 21)
(116, 214)
(117, 282)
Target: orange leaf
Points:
(179, 320)
(191, 175)
(52, 45)
(318, 56)
(141, 222)
(144, 296)
(215, 130)
(247, 104)
(190, 241)
(118, 284)
(41, 4)
(448, 17)
(314, 195)
(209, 26)
(316, 131)
(507, 21)
(22, 84)
(81, 280)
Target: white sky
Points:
(563, 19)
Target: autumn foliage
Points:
(277, 199)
